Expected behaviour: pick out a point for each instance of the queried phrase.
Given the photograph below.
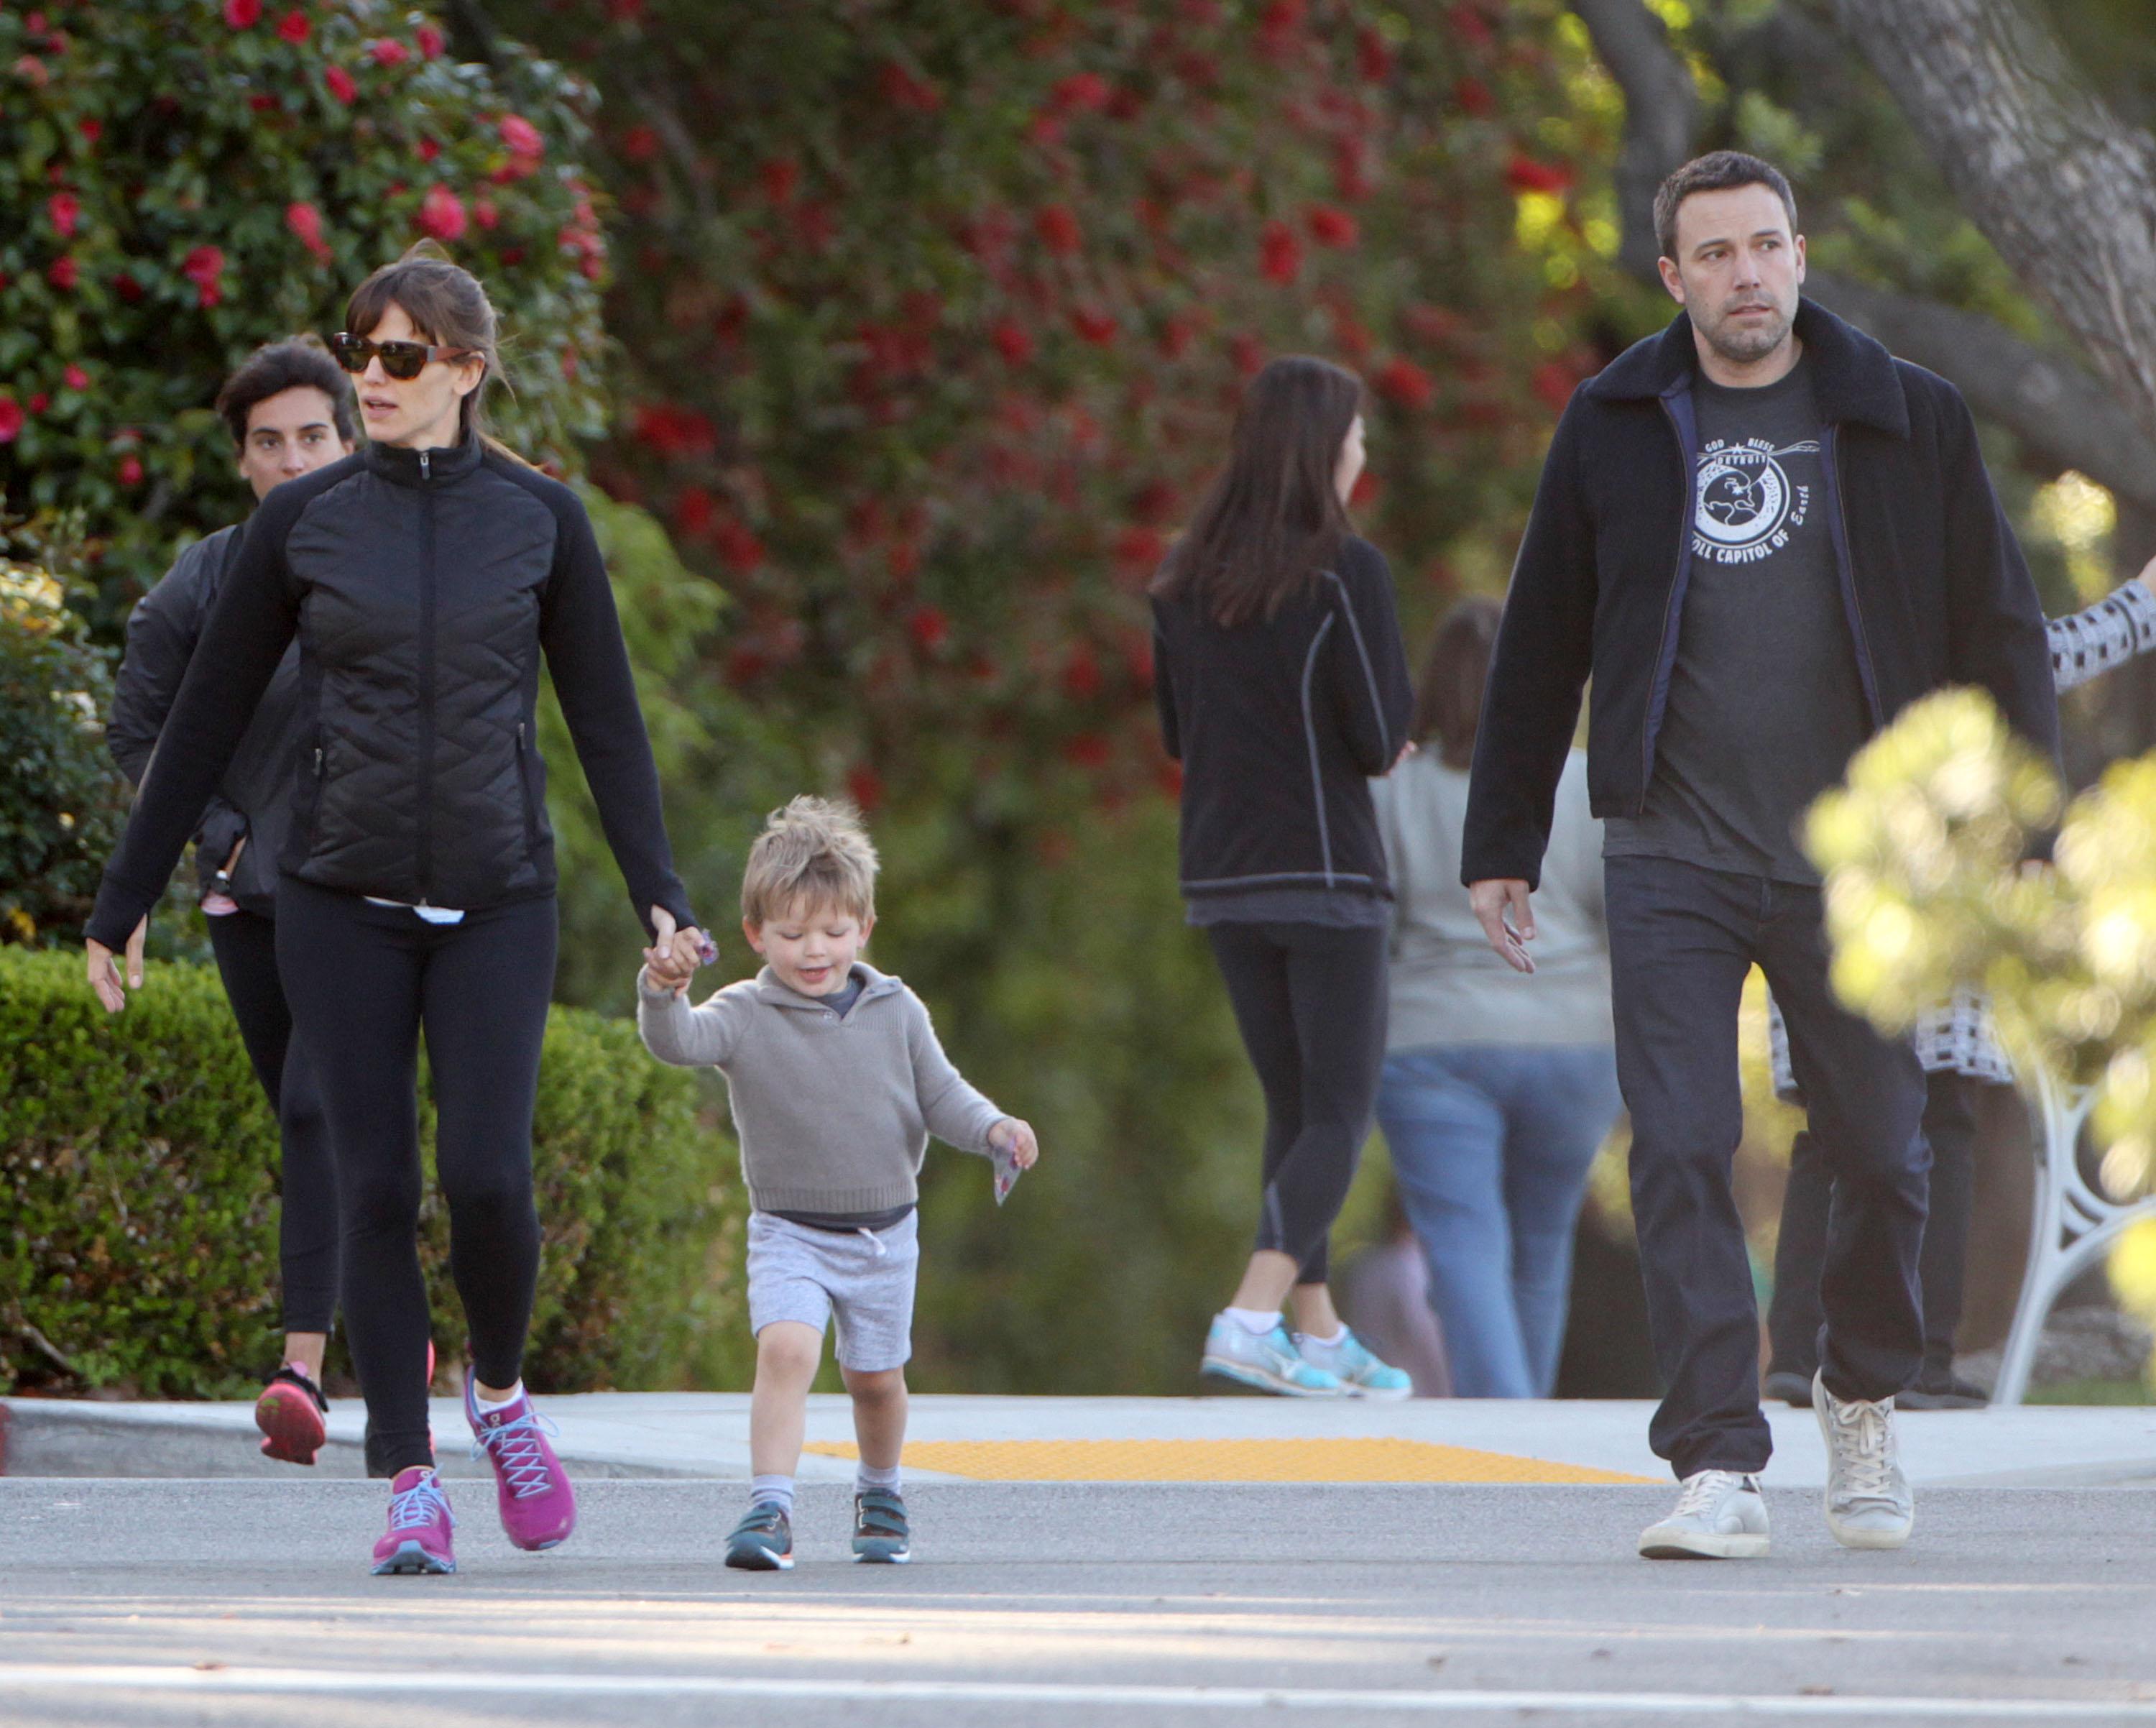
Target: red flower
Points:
(130, 467)
(1365, 488)
(929, 628)
(91, 128)
(341, 84)
(1139, 550)
(639, 143)
(127, 288)
(66, 210)
(484, 213)
(305, 221)
(668, 430)
(11, 419)
(429, 150)
(388, 52)
(1248, 352)
(1552, 384)
(261, 102)
(1081, 673)
(1332, 227)
(1475, 96)
(902, 89)
(1081, 93)
(1280, 253)
(62, 273)
(1013, 340)
(202, 267)
(1095, 326)
(1401, 380)
(864, 786)
(1523, 173)
(779, 176)
(1089, 749)
(1277, 25)
(39, 403)
(1175, 337)
(74, 378)
(242, 14)
(521, 137)
(1373, 54)
(442, 213)
(694, 510)
(293, 27)
(738, 548)
(431, 41)
(1058, 229)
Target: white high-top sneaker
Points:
(1720, 1515)
(1868, 1502)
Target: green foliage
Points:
(186, 180)
(137, 1161)
(61, 799)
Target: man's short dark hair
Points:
(1717, 171)
(297, 362)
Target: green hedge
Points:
(138, 1210)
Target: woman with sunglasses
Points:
(424, 577)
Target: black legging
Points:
(363, 981)
(1309, 1001)
(246, 950)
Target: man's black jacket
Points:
(1933, 585)
(253, 803)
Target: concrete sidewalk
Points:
(693, 1435)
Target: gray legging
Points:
(1309, 1001)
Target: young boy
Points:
(837, 1081)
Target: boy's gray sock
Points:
(867, 1478)
(778, 1489)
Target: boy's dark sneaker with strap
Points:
(881, 1534)
(763, 1540)
(293, 1416)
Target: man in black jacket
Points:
(1762, 536)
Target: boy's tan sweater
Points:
(834, 1115)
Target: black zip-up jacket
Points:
(1933, 586)
(423, 586)
(1279, 724)
(253, 800)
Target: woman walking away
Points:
(424, 577)
(1282, 687)
(288, 413)
(1495, 1097)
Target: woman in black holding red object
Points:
(424, 578)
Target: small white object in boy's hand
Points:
(1013, 1149)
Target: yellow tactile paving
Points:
(1320, 1460)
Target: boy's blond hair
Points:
(815, 854)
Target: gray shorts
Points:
(798, 1273)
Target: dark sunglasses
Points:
(399, 359)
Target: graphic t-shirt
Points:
(1765, 704)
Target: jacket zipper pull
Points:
(426, 470)
(318, 762)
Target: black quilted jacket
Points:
(424, 587)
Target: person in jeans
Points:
(1496, 1094)
(288, 413)
(1960, 1055)
(1762, 536)
(1282, 687)
(425, 579)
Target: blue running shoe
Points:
(763, 1540)
(881, 1534)
(1349, 1360)
(1265, 1361)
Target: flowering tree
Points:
(933, 318)
(185, 179)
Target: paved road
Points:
(244, 1602)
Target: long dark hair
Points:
(447, 306)
(1448, 698)
(1274, 518)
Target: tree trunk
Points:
(2059, 184)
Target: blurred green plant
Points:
(138, 1216)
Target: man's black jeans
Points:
(1793, 1317)
(1681, 940)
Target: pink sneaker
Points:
(420, 1521)
(292, 1414)
(538, 1506)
